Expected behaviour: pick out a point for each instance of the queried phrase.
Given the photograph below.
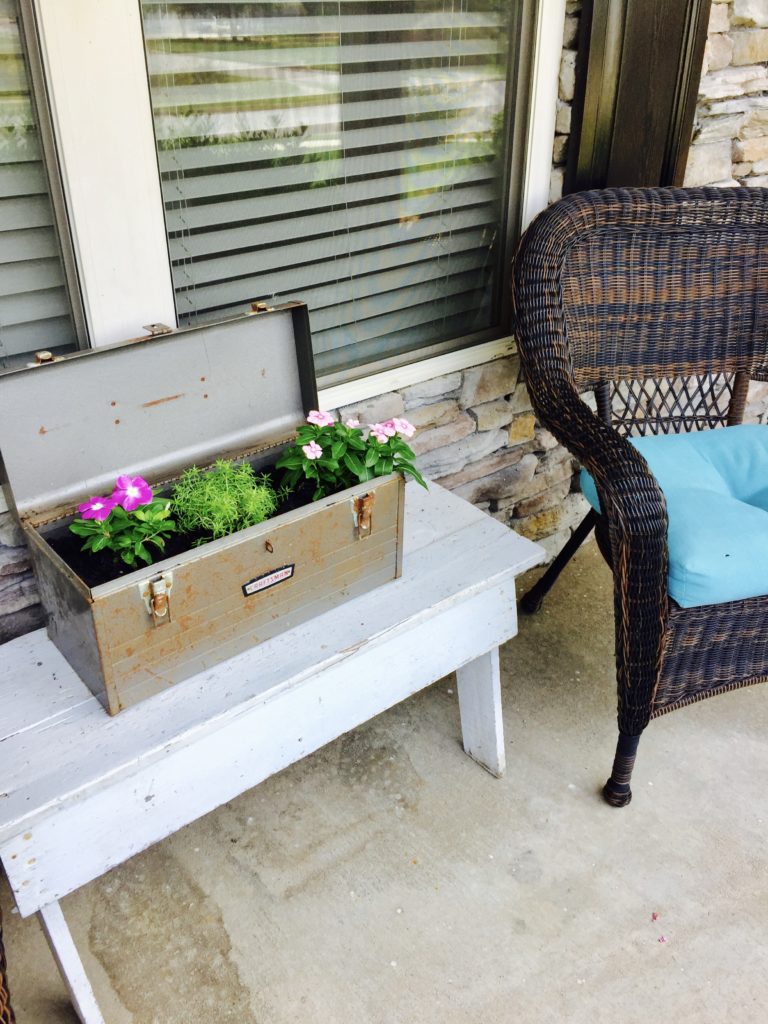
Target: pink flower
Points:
(312, 450)
(383, 431)
(403, 427)
(352, 423)
(96, 508)
(131, 491)
(320, 419)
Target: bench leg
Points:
(479, 687)
(69, 963)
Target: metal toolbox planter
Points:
(155, 406)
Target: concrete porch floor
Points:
(388, 879)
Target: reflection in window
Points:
(349, 154)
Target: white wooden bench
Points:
(81, 792)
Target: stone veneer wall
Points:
(730, 134)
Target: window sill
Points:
(415, 373)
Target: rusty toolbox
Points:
(155, 406)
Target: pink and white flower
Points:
(403, 427)
(131, 491)
(352, 423)
(320, 419)
(312, 450)
(96, 508)
(383, 431)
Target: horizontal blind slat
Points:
(28, 276)
(404, 161)
(222, 268)
(326, 222)
(25, 212)
(24, 307)
(329, 296)
(299, 278)
(27, 244)
(174, 156)
(305, 25)
(272, 94)
(246, 61)
(190, 218)
(21, 179)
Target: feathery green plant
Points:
(222, 500)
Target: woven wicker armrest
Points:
(630, 497)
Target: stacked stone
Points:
(730, 137)
(565, 89)
(478, 436)
(19, 608)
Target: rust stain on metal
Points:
(160, 401)
(42, 430)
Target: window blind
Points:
(346, 153)
(34, 306)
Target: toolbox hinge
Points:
(156, 595)
(362, 514)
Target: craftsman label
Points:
(269, 579)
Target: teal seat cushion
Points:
(715, 483)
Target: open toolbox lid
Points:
(152, 406)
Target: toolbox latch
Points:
(362, 514)
(156, 595)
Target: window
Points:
(35, 311)
(351, 154)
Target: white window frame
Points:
(102, 120)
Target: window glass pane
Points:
(348, 154)
(35, 312)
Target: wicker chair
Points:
(6, 1010)
(656, 300)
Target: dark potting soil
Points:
(95, 569)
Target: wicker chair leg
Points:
(616, 790)
(532, 601)
(6, 1010)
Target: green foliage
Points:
(348, 457)
(128, 534)
(222, 500)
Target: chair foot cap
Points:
(616, 796)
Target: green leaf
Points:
(371, 457)
(338, 449)
(99, 543)
(354, 463)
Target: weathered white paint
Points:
(479, 686)
(94, 63)
(69, 963)
(84, 792)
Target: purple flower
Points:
(320, 419)
(403, 427)
(131, 491)
(312, 450)
(96, 508)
